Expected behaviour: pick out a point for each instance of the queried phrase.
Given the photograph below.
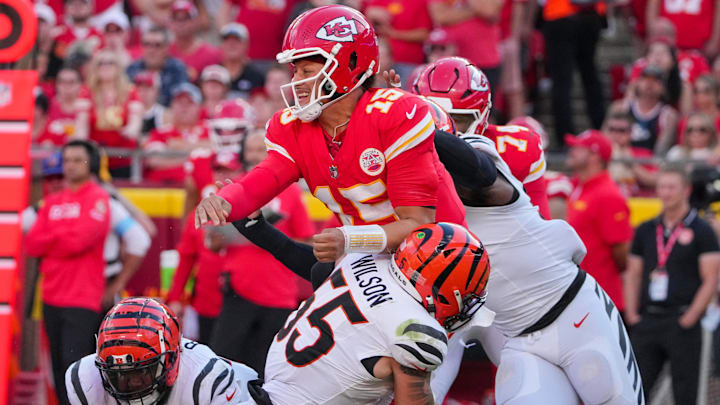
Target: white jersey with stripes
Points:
(203, 379)
(326, 351)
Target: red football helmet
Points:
(345, 40)
(138, 350)
(232, 121)
(459, 88)
(533, 125)
(446, 269)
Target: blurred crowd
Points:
(190, 83)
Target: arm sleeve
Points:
(187, 250)
(41, 236)
(264, 182)
(614, 220)
(135, 239)
(296, 256)
(419, 346)
(537, 190)
(468, 166)
(707, 240)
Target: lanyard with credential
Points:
(664, 249)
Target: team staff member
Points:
(598, 212)
(69, 236)
(672, 276)
(260, 292)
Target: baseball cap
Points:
(45, 13)
(52, 165)
(189, 90)
(184, 6)
(146, 78)
(593, 140)
(217, 73)
(116, 17)
(439, 36)
(227, 160)
(235, 29)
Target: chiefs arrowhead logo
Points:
(338, 29)
(478, 81)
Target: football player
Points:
(142, 359)
(463, 91)
(553, 321)
(378, 326)
(367, 153)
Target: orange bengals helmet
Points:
(445, 268)
(138, 351)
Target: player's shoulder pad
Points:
(481, 143)
(83, 382)
(419, 344)
(210, 379)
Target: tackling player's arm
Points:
(412, 387)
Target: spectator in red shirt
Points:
(598, 212)
(61, 117)
(214, 84)
(269, 101)
(260, 292)
(69, 236)
(697, 22)
(155, 115)
(116, 32)
(266, 20)
(115, 111)
(405, 24)
(185, 133)
(515, 28)
(77, 28)
(244, 78)
(633, 178)
(440, 45)
(195, 53)
(473, 25)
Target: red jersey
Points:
(201, 57)
(693, 21)
(254, 273)
(558, 185)
(206, 298)
(406, 15)
(601, 217)
(101, 6)
(506, 17)
(60, 125)
(158, 141)
(69, 34)
(106, 124)
(387, 159)
(522, 150)
(690, 63)
(69, 236)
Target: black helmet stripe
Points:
(448, 233)
(131, 328)
(476, 261)
(487, 267)
(440, 280)
(126, 342)
(135, 315)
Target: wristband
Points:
(364, 238)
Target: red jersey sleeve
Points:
(41, 237)
(157, 140)
(406, 132)
(187, 248)
(537, 191)
(89, 229)
(613, 216)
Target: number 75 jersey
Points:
(326, 351)
(386, 159)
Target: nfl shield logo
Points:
(5, 93)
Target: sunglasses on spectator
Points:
(698, 129)
(181, 17)
(67, 81)
(106, 62)
(618, 129)
(151, 44)
(702, 90)
(113, 29)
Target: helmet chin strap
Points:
(312, 112)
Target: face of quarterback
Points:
(304, 69)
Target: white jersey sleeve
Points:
(83, 383)
(417, 344)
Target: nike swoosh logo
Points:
(411, 114)
(577, 325)
(228, 398)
